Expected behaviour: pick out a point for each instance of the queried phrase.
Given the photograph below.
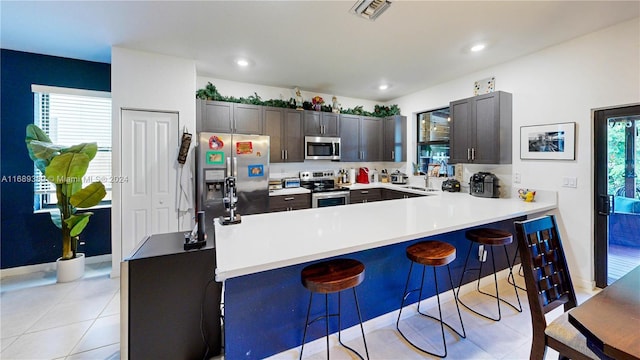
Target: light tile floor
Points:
(41, 319)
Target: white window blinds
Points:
(69, 117)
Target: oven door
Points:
(331, 198)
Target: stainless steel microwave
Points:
(321, 148)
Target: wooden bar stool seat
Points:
(333, 276)
(435, 254)
(489, 237)
(431, 253)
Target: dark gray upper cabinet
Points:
(284, 126)
(248, 119)
(226, 117)
(321, 124)
(360, 138)
(371, 138)
(395, 138)
(481, 129)
(350, 138)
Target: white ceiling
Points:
(316, 45)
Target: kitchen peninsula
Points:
(260, 259)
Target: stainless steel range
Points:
(324, 192)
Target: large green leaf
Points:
(77, 223)
(56, 218)
(43, 150)
(35, 133)
(89, 196)
(71, 189)
(89, 149)
(67, 168)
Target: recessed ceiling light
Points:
(242, 62)
(477, 47)
(383, 87)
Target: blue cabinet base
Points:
(265, 312)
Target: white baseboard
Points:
(29, 269)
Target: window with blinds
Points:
(70, 117)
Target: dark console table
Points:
(166, 293)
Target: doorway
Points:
(617, 192)
(149, 152)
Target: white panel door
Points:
(149, 163)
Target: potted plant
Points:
(65, 167)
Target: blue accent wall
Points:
(264, 313)
(27, 238)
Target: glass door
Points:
(617, 193)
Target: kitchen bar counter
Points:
(260, 260)
(274, 240)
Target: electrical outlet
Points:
(570, 182)
(517, 178)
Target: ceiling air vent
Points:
(370, 9)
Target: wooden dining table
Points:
(610, 320)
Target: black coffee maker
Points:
(484, 184)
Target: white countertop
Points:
(273, 240)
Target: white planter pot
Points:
(70, 270)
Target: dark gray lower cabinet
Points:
(170, 302)
(365, 195)
(289, 202)
(389, 194)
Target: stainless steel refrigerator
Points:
(246, 157)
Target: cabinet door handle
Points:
(321, 129)
(286, 154)
(468, 153)
(364, 192)
(289, 198)
(282, 154)
(473, 153)
(393, 155)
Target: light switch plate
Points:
(570, 182)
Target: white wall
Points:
(562, 83)
(147, 81)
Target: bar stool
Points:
(435, 254)
(329, 277)
(491, 238)
(511, 278)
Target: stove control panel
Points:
(317, 175)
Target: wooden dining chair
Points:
(549, 286)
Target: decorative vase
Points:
(317, 107)
(71, 269)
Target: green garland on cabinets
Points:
(211, 93)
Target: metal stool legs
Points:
(326, 316)
(495, 279)
(511, 278)
(442, 322)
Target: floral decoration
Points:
(210, 92)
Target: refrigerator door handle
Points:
(229, 173)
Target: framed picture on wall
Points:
(548, 142)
